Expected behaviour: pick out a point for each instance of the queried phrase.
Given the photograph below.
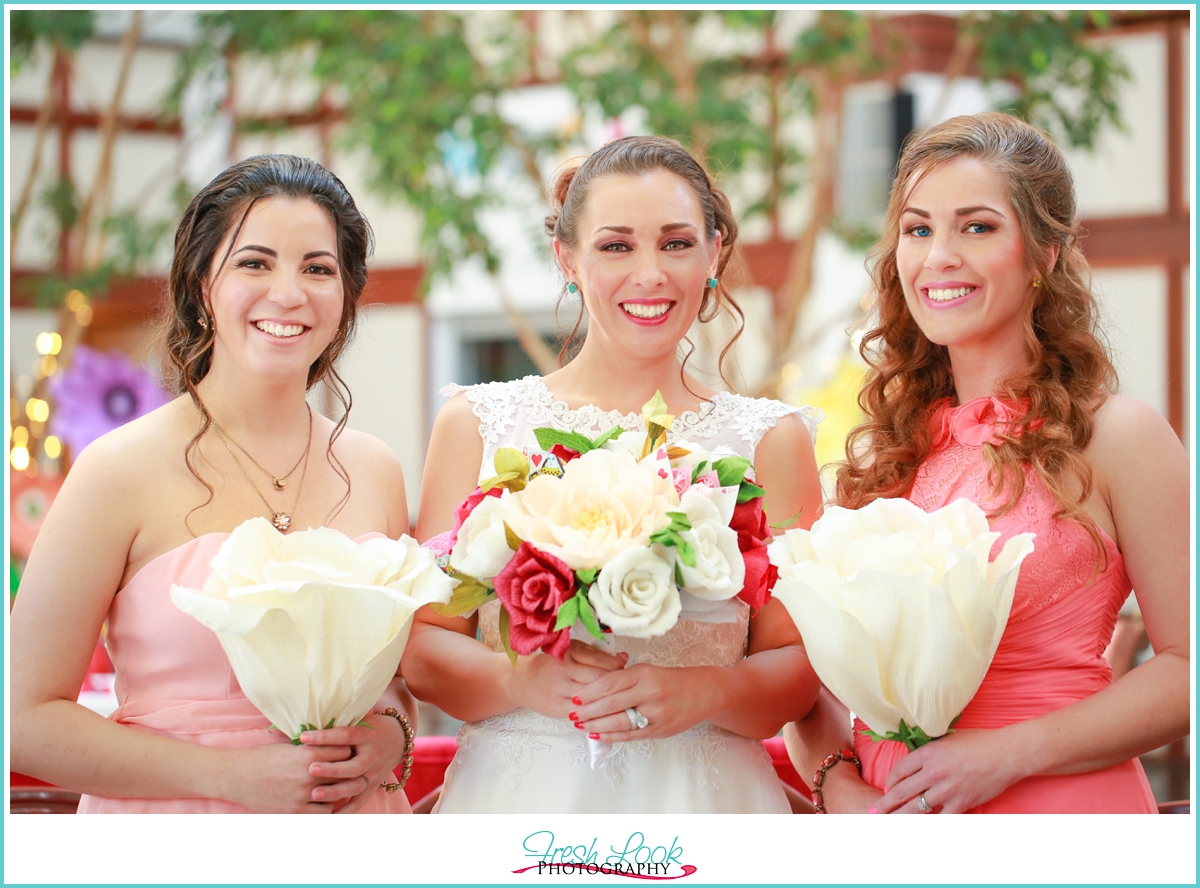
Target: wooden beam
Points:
(1137, 240)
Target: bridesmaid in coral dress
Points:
(270, 260)
(989, 381)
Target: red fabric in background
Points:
(432, 755)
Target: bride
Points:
(642, 235)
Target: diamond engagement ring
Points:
(922, 805)
(637, 721)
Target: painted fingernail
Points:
(872, 810)
(315, 770)
(318, 794)
(593, 736)
(574, 716)
(577, 701)
(579, 725)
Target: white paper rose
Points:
(635, 594)
(313, 623)
(482, 550)
(900, 610)
(720, 570)
(606, 502)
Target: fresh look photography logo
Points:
(635, 856)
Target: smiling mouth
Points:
(646, 312)
(280, 331)
(945, 295)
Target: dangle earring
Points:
(712, 283)
(202, 321)
(571, 288)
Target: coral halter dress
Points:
(1063, 613)
(174, 679)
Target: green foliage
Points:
(1066, 84)
(64, 29)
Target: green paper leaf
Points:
(686, 553)
(699, 470)
(586, 576)
(547, 438)
(607, 436)
(731, 470)
(514, 541)
(678, 575)
(748, 491)
(504, 639)
(588, 616)
(786, 522)
(509, 460)
(512, 480)
(679, 521)
(469, 594)
(330, 724)
(568, 613)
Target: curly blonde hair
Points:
(1069, 374)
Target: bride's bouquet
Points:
(313, 623)
(616, 535)
(900, 610)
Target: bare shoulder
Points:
(1133, 442)
(368, 456)
(458, 415)
(789, 435)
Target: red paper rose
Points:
(750, 523)
(467, 506)
(564, 453)
(532, 586)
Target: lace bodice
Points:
(1064, 558)
(727, 424)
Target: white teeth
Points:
(657, 310)
(283, 331)
(947, 295)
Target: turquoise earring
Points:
(572, 289)
(712, 282)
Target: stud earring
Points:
(571, 288)
(202, 321)
(1037, 282)
(712, 282)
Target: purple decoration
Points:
(98, 392)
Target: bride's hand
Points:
(547, 685)
(673, 699)
(954, 773)
(377, 749)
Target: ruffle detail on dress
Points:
(983, 420)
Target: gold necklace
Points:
(281, 520)
(279, 482)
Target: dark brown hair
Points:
(221, 207)
(1069, 374)
(637, 156)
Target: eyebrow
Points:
(963, 211)
(272, 253)
(625, 229)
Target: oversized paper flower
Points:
(901, 610)
(607, 503)
(313, 623)
(98, 392)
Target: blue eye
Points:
(920, 231)
(978, 228)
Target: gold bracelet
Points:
(409, 741)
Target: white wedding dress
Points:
(523, 762)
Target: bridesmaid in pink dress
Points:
(989, 381)
(270, 261)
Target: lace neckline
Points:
(983, 420)
(628, 421)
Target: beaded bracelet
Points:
(409, 741)
(842, 755)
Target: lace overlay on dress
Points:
(728, 423)
(1064, 556)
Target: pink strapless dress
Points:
(174, 679)
(1063, 613)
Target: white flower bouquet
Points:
(617, 534)
(313, 623)
(900, 610)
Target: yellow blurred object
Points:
(84, 315)
(52, 447)
(19, 458)
(20, 436)
(37, 409)
(48, 366)
(76, 300)
(838, 398)
(48, 343)
(36, 427)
